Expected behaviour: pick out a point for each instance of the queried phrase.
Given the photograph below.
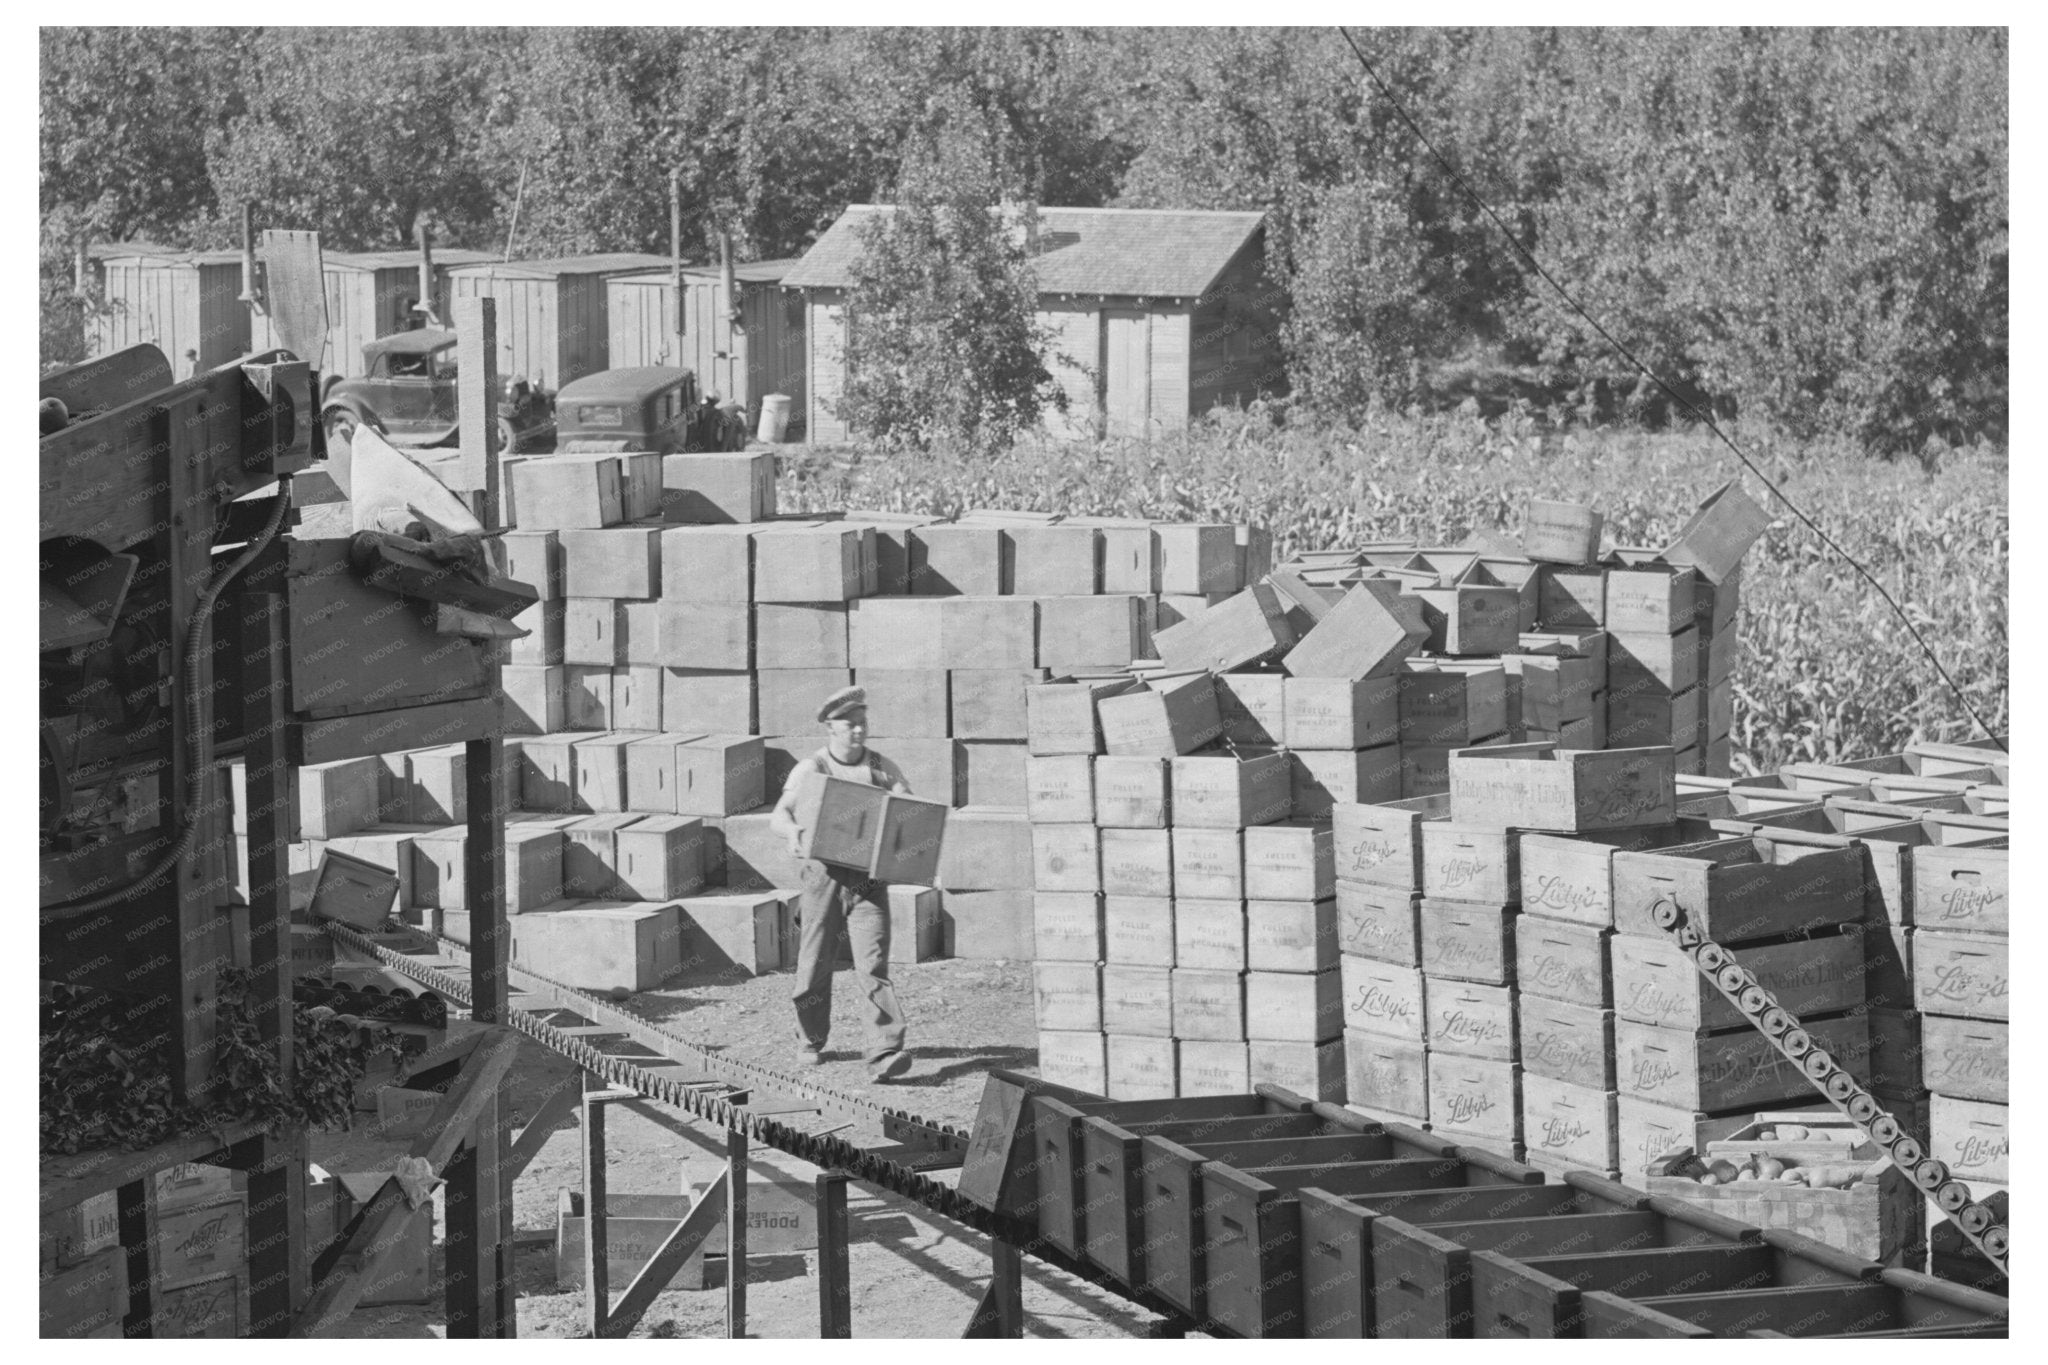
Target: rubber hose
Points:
(195, 717)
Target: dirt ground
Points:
(912, 1275)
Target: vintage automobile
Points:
(407, 394)
(647, 407)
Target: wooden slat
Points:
(1817, 1308)
(382, 732)
(64, 1182)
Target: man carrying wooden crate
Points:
(837, 896)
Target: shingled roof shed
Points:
(1157, 314)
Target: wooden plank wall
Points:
(1237, 338)
(1168, 378)
(709, 344)
(584, 342)
(1126, 371)
(1075, 359)
(548, 329)
(223, 317)
(774, 348)
(639, 323)
(826, 348)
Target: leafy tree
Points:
(124, 118)
(944, 342)
(358, 132)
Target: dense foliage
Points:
(1825, 671)
(106, 1070)
(1801, 226)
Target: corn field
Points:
(1826, 670)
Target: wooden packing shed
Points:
(763, 355)
(188, 304)
(1157, 315)
(372, 294)
(552, 325)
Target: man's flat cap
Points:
(843, 703)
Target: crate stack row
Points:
(1183, 921)
(607, 871)
(722, 617)
(1931, 824)
(197, 1230)
(1815, 877)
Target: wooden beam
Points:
(476, 391)
(668, 1259)
(269, 788)
(407, 727)
(490, 941)
(505, 1321)
(131, 1212)
(376, 1231)
(597, 1283)
(186, 540)
(65, 1182)
(1001, 1310)
(835, 1287)
(735, 1234)
(275, 1195)
(562, 1100)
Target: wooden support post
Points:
(459, 1285)
(275, 1195)
(500, 1160)
(1001, 1310)
(476, 325)
(268, 790)
(490, 936)
(479, 1227)
(131, 1212)
(736, 1234)
(476, 400)
(187, 536)
(597, 1286)
(835, 1287)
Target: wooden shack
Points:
(1157, 315)
(552, 314)
(371, 294)
(763, 355)
(188, 304)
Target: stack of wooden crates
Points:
(197, 1219)
(1184, 920)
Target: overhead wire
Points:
(1684, 404)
